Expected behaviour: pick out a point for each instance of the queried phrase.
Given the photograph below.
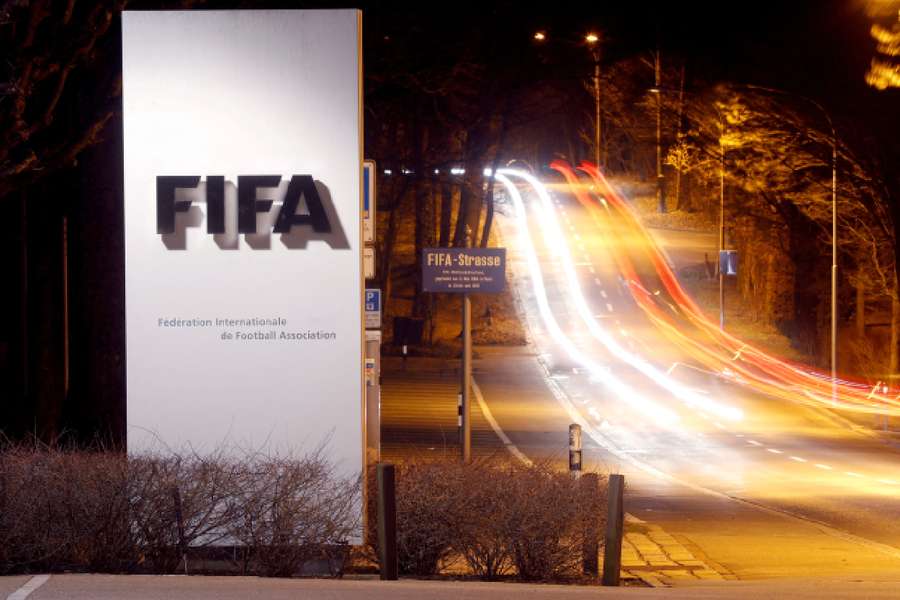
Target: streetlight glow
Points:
(540, 36)
(591, 38)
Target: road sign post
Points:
(464, 271)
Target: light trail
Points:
(624, 392)
(556, 242)
(768, 374)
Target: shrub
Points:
(499, 517)
(66, 509)
(292, 511)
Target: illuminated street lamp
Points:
(593, 41)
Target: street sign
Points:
(368, 202)
(728, 262)
(373, 308)
(464, 270)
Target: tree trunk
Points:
(446, 213)
(895, 336)
(390, 238)
(489, 192)
(423, 224)
(861, 309)
(678, 134)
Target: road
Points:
(762, 483)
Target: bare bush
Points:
(102, 511)
(181, 502)
(293, 511)
(65, 509)
(501, 518)
(428, 505)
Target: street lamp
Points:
(834, 268)
(593, 41)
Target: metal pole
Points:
(615, 521)
(660, 184)
(834, 268)
(597, 107)
(575, 449)
(721, 223)
(387, 521)
(466, 372)
(65, 282)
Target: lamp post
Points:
(834, 267)
(593, 41)
(660, 182)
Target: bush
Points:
(499, 517)
(102, 511)
(290, 512)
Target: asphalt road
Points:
(782, 489)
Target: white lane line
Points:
(754, 442)
(513, 449)
(30, 586)
(602, 292)
(774, 451)
(609, 307)
(852, 474)
(887, 481)
(798, 459)
(823, 467)
(591, 269)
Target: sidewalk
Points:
(133, 587)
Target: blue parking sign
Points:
(373, 308)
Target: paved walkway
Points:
(133, 587)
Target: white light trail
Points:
(556, 241)
(597, 372)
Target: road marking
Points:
(798, 459)
(754, 442)
(591, 269)
(513, 449)
(887, 481)
(823, 467)
(602, 292)
(30, 586)
(609, 307)
(774, 451)
(852, 474)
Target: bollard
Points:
(575, 449)
(615, 517)
(387, 521)
(590, 548)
